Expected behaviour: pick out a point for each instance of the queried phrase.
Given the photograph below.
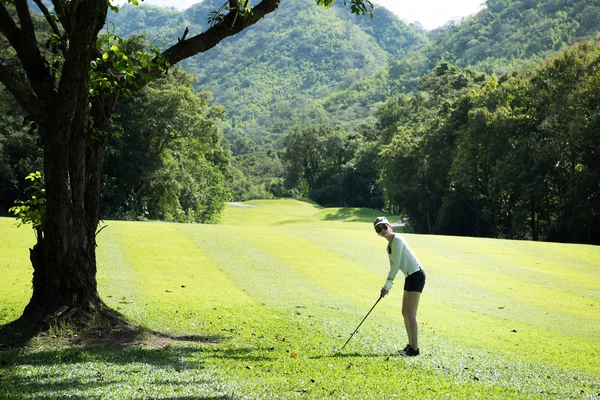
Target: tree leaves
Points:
(512, 159)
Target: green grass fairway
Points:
(256, 304)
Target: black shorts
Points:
(415, 282)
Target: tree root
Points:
(70, 325)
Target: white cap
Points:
(380, 220)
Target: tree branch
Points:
(22, 93)
(17, 85)
(52, 23)
(8, 27)
(211, 37)
(35, 65)
(61, 14)
(208, 39)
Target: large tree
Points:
(70, 93)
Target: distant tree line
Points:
(470, 154)
(515, 157)
(332, 166)
(465, 154)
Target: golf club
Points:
(361, 322)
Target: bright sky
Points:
(430, 14)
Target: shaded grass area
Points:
(129, 373)
(252, 308)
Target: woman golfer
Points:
(402, 259)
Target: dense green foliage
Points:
(19, 151)
(167, 158)
(508, 31)
(516, 157)
(171, 162)
(269, 77)
(506, 35)
(325, 164)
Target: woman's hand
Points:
(384, 292)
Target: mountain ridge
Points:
(289, 59)
(304, 64)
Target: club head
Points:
(335, 348)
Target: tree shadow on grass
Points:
(175, 367)
(168, 353)
(109, 329)
(64, 361)
(80, 373)
(353, 215)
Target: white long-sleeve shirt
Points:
(401, 259)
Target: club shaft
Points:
(361, 322)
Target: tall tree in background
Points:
(71, 94)
(19, 150)
(171, 163)
(512, 157)
(317, 160)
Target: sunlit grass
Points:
(278, 284)
(15, 268)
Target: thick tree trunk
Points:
(64, 257)
(61, 279)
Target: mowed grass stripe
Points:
(255, 271)
(117, 280)
(522, 342)
(277, 212)
(534, 261)
(501, 278)
(178, 281)
(325, 268)
(346, 240)
(570, 260)
(15, 268)
(462, 295)
(510, 287)
(289, 296)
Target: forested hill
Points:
(304, 64)
(270, 76)
(508, 31)
(507, 35)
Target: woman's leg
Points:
(410, 303)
